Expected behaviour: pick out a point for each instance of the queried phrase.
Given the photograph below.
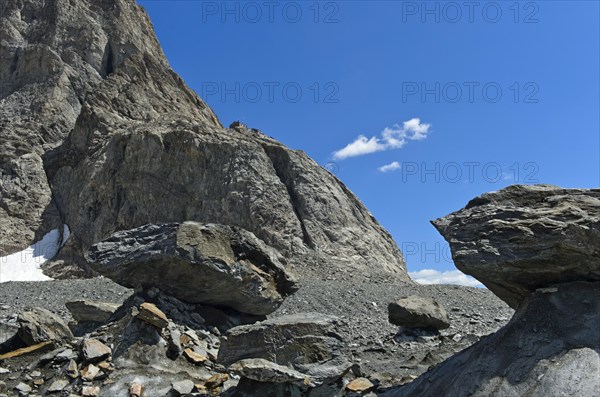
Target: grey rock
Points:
(7, 332)
(293, 340)
(522, 238)
(265, 371)
(550, 347)
(91, 311)
(210, 264)
(53, 53)
(58, 386)
(417, 312)
(41, 325)
(93, 350)
(23, 388)
(90, 104)
(182, 388)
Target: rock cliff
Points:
(100, 134)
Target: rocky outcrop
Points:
(53, 53)
(550, 347)
(418, 312)
(522, 238)
(537, 248)
(209, 264)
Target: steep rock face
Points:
(145, 149)
(525, 237)
(210, 264)
(51, 54)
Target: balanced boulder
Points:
(522, 238)
(197, 263)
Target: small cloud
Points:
(362, 145)
(456, 277)
(393, 137)
(393, 166)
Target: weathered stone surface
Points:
(360, 385)
(181, 388)
(522, 238)
(153, 315)
(93, 350)
(550, 347)
(57, 386)
(91, 311)
(418, 312)
(266, 371)
(288, 340)
(136, 390)
(53, 53)
(211, 264)
(90, 104)
(40, 325)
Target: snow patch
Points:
(456, 277)
(26, 265)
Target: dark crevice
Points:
(280, 160)
(108, 66)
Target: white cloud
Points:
(390, 167)
(362, 145)
(393, 137)
(456, 277)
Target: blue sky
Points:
(504, 94)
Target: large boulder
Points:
(525, 237)
(40, 325)
(416, 312)
(291, 340)
(209, 264)
(549, 348)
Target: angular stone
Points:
(90, 311)
(360, 385)
(285, 340)
(90, 391)
(58, 385)
(194, 357)
(89, 372)
(72, 370)
(181, 388)
(93, 350)
(40, 325)
(265, 371)
(23, 388)
(523, 237)
(211, 264)
(216, 381)
(153, 315)
(136, 390)
(417, 312)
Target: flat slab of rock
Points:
(93, 350)
(40, 325)
(152, 315)
(418, 312)
(287, 340)
(197, 263)
(522, 238)
(265, 371)
(90, 311)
